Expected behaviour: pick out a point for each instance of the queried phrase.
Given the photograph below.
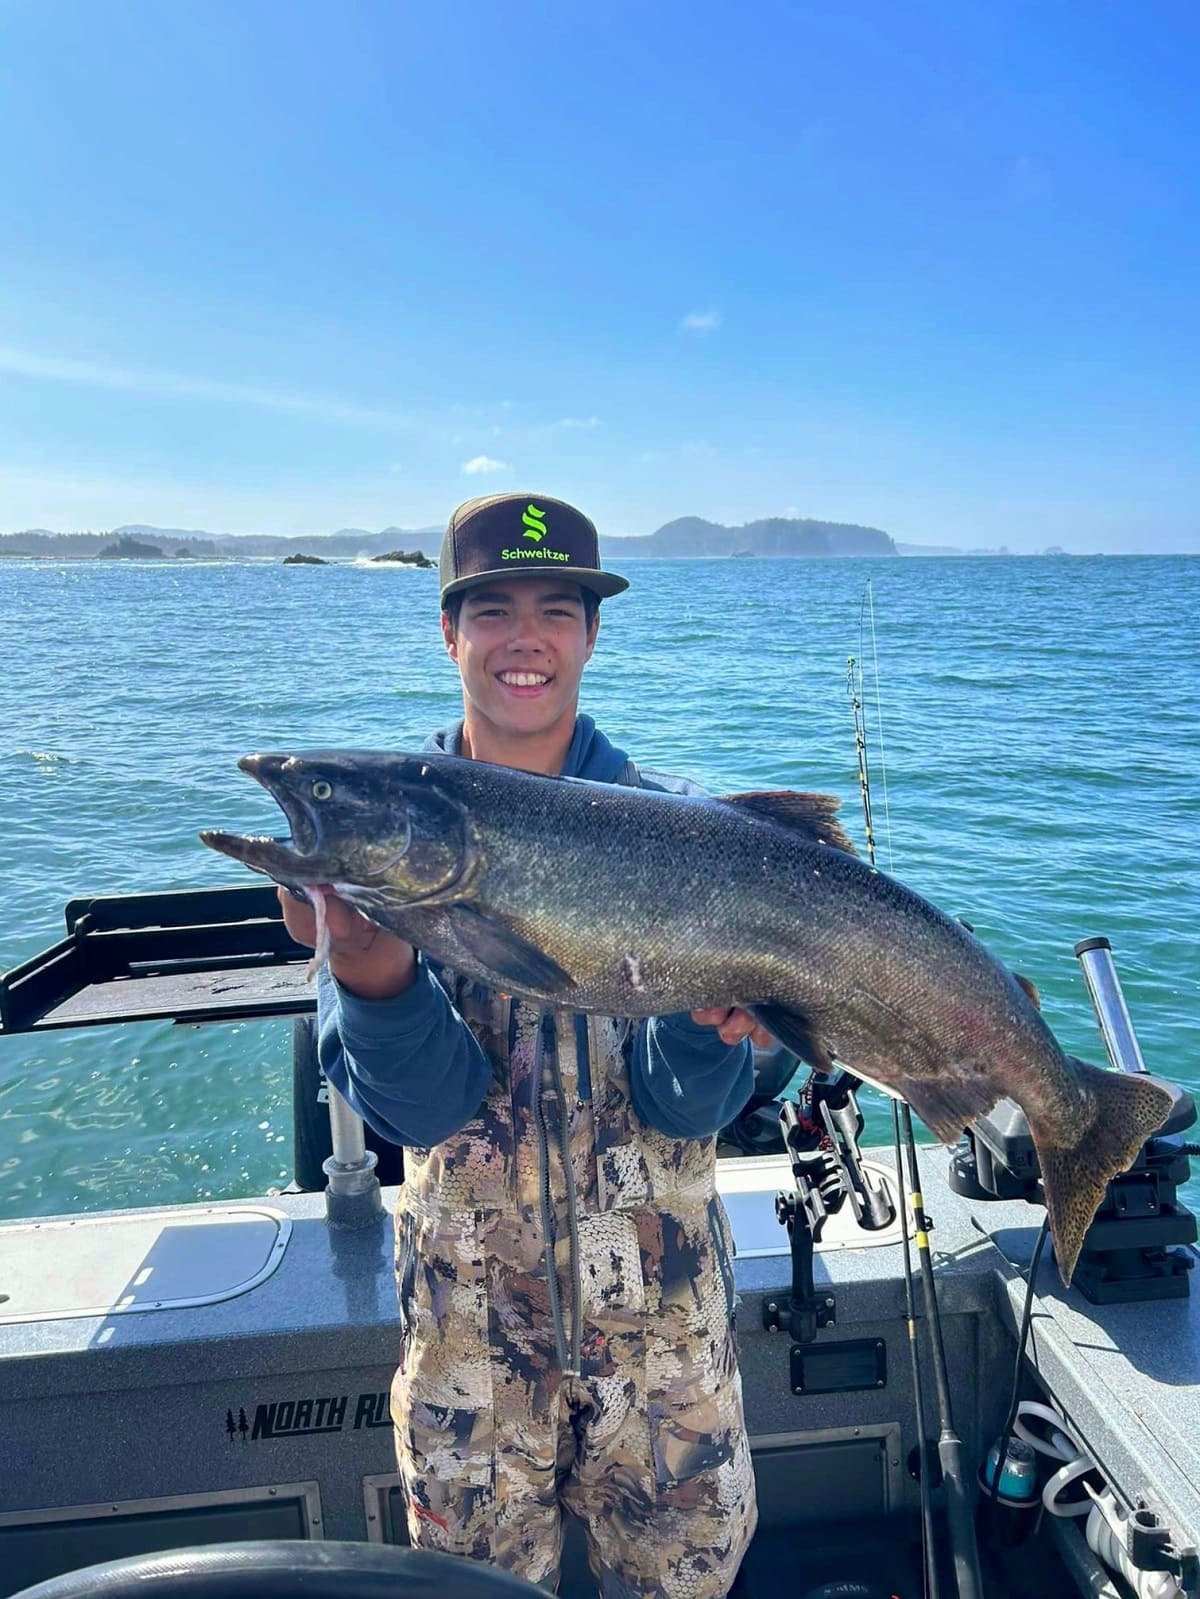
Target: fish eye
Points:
(322, 790)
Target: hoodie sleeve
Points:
(409, 1066)
(685, 1080)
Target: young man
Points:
(564, 1262)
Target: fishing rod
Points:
(959, 1515)
(928, 1553)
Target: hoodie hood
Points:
(590, 756)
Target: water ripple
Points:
(1040, 728)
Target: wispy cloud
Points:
(568, 423)
(700, 321)
(479, 464)
(99, 375)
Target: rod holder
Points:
(1104, 987)
(353, 1197)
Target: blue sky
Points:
(287, 267)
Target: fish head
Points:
(373, 824)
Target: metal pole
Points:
(346, 1132)
(1104, 987)
(353, 1197)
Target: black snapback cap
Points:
(521, 535)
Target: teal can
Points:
(1009, 1495)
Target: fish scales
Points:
(630, 902)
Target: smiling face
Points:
(520, 646)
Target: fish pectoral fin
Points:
(947, 1107)
(506, 953)
(813, 816)
(795, 1031)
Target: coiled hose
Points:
(1106, 1521)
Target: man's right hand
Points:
(367, 960)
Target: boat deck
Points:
(233, 1379)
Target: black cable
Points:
(1022, 1340)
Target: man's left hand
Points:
(733, 1024)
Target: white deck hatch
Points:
(144, 1261)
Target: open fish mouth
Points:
(270, 770)
(296, 858)
(276, 857)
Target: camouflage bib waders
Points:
(608, 1383)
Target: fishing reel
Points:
(1127, 1254)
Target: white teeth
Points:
(523, 679)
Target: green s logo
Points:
(534, 523)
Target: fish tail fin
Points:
(1129, 1108)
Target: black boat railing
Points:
(189, 955)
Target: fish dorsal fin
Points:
(1031, 993)
(812, 815)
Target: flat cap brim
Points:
(603, 584)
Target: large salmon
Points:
(628, 902)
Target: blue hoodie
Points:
(412, 1068)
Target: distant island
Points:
(416, 558)
(404, 558)
(169, 543)
(687, 536)
(127, 549)
(776, 536)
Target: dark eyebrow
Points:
(490, 596)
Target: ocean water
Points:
(1038, 722)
